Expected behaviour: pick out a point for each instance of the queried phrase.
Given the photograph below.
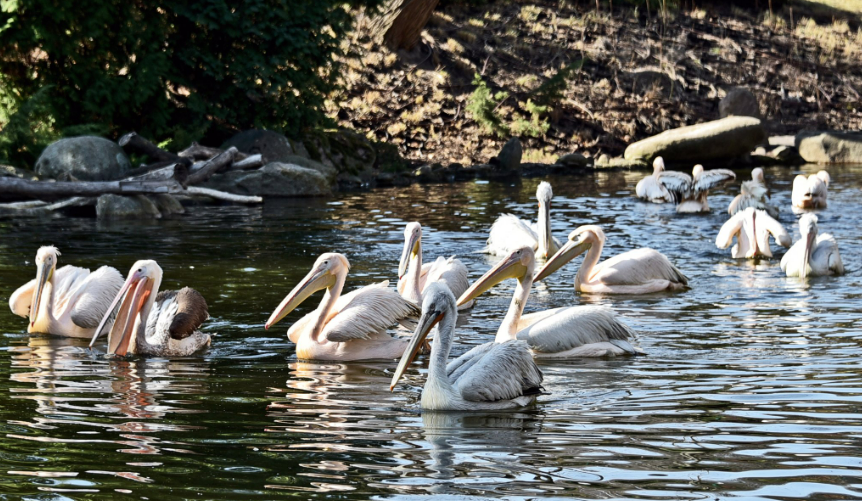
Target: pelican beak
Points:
(315, 280)
(43, 274)
(411, 248)
(426, 322)
(809, 242)
(509, 267)
(134, 295)
(544, 227)
(568, 252)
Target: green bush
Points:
(482, 106)
(166, 69)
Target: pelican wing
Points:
(502, 372)
(773, 227)
(651, 189)
(678, 184)
(457, 367)
(22, 299)
(636, 267)
(576, 326)
(451, 272)
(826, 253)
(367, 312)
(191, 311)
(94, 295)
(753, 194)
(712, 178)
(509, 233)
(730, 229)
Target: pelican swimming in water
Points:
(65, 302)
(638, 271)
(813, 255)
(690, 192)
(414, 277)
(155, 323)
(754, 194)
(348, 327)
(650, 188)
(575, 331)
(509, 232)
(492, 376)
(752, 228)
(810, 192)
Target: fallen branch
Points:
(145, 169)
(251, 162)
(140, 144)
(214, 165)
(198, 152)
(42, 189)
(222, 195)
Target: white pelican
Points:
(492, 376)
(509, 233)
(576, 331)
(414, 277)
(753, 193)
(690, 191)
(810, 192)
(752, 228)
(348, 327)
(65, 302)
(155, 323)
(813, 255)
(650, 188)
(638, 271)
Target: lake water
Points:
(752, 387)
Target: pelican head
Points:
(412, 246)
(137, 296)
(544, 193)
(757, 175)
(824, 176)
(658, 165)
(517, 264)
(808, 230)
(580, 240)
(437, 302)
(46, 263)
(696, 171)
(323, 275)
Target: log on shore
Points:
(140, 144)
(42, 189)
(198, 152)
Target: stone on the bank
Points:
(723, 139)
(573, 160)
(272, 146)
(274, 179)
(830, 147)
(328, 171)
(621, 163)
(85, 158)
(786, 155)
(126, 207)
(739, 102)
(10, 171)
(167, 204)
(509, 158)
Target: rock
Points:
(272, 146)
(86, 158)
(573, 160)
(125, 207)
(328, 171)
(786, 155)
(739, 102)
(344, 150)
(723, 139)
(621, 163)
(10, 171)
(274, 179)
(167, 204)
(782, 141)
(509, 158)
(830, 147)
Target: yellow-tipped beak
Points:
(568, 252)
(508, 267)
(43, 275)
(410, 250)
(313, 282)
(426, 322)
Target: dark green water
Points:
(751, 388)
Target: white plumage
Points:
(810, 192)
(813, 255)
(690, 192)
(754, 194)
(650, 188)
(414, 276)
(509, 233)
(751, 228)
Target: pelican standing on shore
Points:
(810, 192)
(690, 192)
(509, 232)
(752, 228)
(65, 302)
(348, 327)
(813, 255)
(650, 188)
(155, 323)
(575, 331)
(415, 277)
(638, 271)
(492, 376)
(754, 194)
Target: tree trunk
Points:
(400, 22)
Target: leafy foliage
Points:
(535, 126)
(482, 106)
(552, 90)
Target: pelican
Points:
(752, 228)
(509, 233)
(576, 331)
(690, 192)
(650, 188)
(638, 271)
(493, 376)
(753, 193)
(810, 192)
(65, 302)
(348, 327)
(814, 255)
(414, 277)
(154, 323)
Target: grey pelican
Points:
(65, 302)
(154, 323)
(509, 232)
(348, 327)
(752, 228)
(492, 376)
(810, 192)
(650, 188)
(576, 331)
(638, 271)
(753, 193)
(414, 277)
(690, 191)
(813, 255)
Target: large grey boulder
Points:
(739, 102)
(509, 158)
(126, 207)
(272, 146)
(328, 171)
(274, 180)
(723, 139)
(830, 147)
(86, 158)
(573, 160)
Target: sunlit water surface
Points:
(751, 389)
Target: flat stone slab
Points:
(274, 179)
(723, 139)
(830, 147)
